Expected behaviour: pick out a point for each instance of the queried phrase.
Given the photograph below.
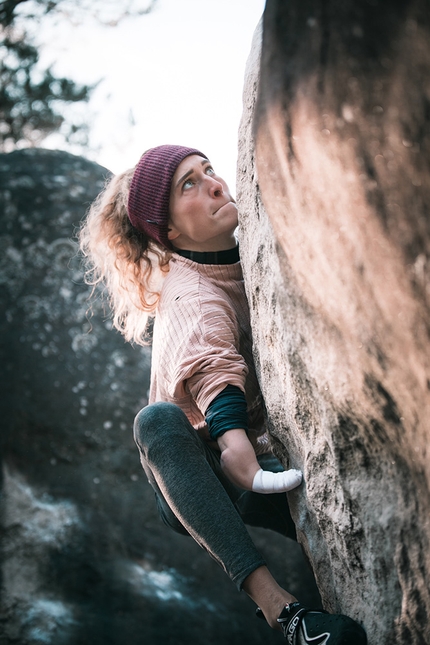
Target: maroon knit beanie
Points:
(148, 201)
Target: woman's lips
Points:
(231, 201)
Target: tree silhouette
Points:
(31, 99)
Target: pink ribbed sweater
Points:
(202, 340)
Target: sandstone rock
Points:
(337, 265)
(85, 557)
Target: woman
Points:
(162, 238)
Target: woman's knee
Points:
(155, 420)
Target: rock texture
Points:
(336, 144)
(85, 557)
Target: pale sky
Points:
(172, 76)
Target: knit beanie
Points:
(149, 197)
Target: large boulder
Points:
(334, 195)
(85, 557)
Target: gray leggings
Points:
(195, 498)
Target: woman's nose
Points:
(215, 187)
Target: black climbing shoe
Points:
(304, 626)
(301, 626)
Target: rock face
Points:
(85, 557)
(336, 144)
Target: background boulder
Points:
(85, 557)
(335, 142)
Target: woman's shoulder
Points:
(188, 280)
(181, 283)
(190, 294)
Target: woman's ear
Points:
(172, 232)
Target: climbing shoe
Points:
(303, 626)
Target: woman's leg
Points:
(180, 466)
(193, 494)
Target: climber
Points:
(162, 238)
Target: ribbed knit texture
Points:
(202, 340)
(148, 201)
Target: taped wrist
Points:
(267, 482)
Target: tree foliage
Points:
(31, 98)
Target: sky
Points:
(174, 75)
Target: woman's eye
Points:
(187, 184)
(210, 170)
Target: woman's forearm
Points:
(239, 462)
(238, 459)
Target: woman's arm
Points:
(240, 464)
(226, 417)
(238, 459)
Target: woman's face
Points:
(203, 214)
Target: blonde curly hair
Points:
(126, 261)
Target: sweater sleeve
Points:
(205, 356)
(227, 411)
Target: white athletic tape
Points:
(268, 482)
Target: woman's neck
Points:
(230, 256)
